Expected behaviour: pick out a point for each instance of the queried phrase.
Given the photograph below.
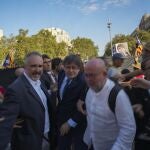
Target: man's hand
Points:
(141, 83)
(80, 105)
(64, 129)
(138, 109)
(2, 119)
(17, 123)
(1, 97)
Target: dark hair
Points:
(44, 56)
(72, 59)
(125, 71)
(56, 62)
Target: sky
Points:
(83, 18)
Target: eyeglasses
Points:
(91, 75)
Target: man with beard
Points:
(27, 99)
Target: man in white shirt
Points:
(107, 130)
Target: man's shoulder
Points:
(17, 84)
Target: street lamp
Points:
(109, 28)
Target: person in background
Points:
(48, 79)
(142, 109)
(114, 72)
(57, 66)
(46, 76)
(19, 71)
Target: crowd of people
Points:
(68, 105)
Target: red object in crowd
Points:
(140, 76)
(2, 90)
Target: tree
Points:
(22, 46)
(144, 36)
(45, 43)
(6, 45)
(84, 47)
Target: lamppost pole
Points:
(109, 28)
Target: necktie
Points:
(66, 85)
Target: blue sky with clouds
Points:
(84, 18)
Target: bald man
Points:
(106, 130)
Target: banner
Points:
(9, 60)
(121, 48)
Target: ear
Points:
(105, 73)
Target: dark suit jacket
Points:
(66, 108)
(23, 102)
(46, 79)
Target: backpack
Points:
(112, 97)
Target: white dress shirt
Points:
(37, 88)
(107, 130)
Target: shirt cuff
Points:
(72, 123)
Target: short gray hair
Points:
(33, 53)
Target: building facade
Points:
(1, 33)
(145, 22)
(61, 35)
(143, 25)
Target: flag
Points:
(9, 60)
(139, 47)
(138, 52)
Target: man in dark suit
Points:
(28, 100)
(46, 75)
(71, 123)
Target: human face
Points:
(34, 67)
(95, 78)
(147, 70)
(47, 64)
(71, 70)
(118, 62)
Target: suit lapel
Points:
(70, 86)
(32, 91)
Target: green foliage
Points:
(84, 47)
(44, 43)
(144, 36)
